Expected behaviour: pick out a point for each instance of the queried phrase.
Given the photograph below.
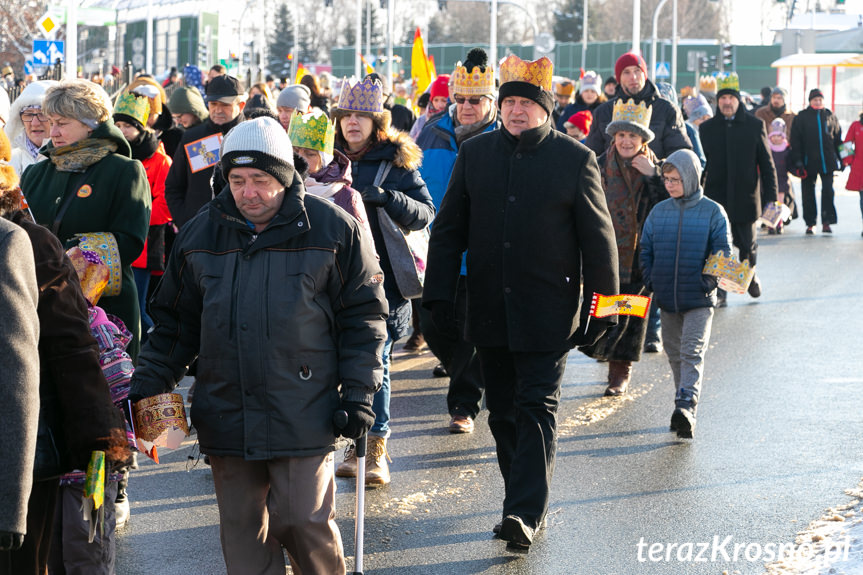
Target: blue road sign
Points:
(663, 69)
(46, 52)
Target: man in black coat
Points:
(527, 205)
(187, 186)
(740, 173)
(815, 139)
(666, 122)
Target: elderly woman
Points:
(91, 192)
(364, 135)
(28, 127)
(633, 185)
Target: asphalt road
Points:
(778, 440)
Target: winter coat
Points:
(815, 140)
(666, 123)
(118, 203)
(280, 321)
(153, 255)
(185, 191)
(692, 132)
(19, 375)
(780, 161)
(409, 205)
(767, 115)
(574, 108)
(678, 237)
(531, 213)
(855, 178)
(740, 172)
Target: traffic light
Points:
(727, 56)
(704, 64)
(441, 5)
(203, 53)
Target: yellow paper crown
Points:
(538, 72)
(365, 96)
(134, 106)
(728, 82)
(313, 131)
(707, 84)
(630, 112)
(472, 82)
(733, 275)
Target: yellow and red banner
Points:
(368, 67)
(621, 304)
(421, 69)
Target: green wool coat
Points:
(119, 203)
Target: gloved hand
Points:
(709, 282)
(800, 172)
(443, 318)
(10, 541)
(360, 419)
(595, 330)
(134, 398)
(374, 195)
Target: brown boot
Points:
(619, 373)
(348, 467)
(377, 469)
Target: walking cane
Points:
(341, 419)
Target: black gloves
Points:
(595, 330)
(374, 195)
(360, 419)
(11, 541)
(443, 318)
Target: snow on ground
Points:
(831, 545)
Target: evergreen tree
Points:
(569, 20)
(377, 29)
(281, 41)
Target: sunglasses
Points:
(472, 101)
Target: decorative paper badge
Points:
(159, 421)
(204, 153)
(621, 304)
(774, 213)
(85, 191)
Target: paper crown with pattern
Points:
(539, 72)
(728, 81)
(733, 276)
(472, 82)
(707, 84)
(365, 96)
(134, 106)
(631, 117)
(313, 131)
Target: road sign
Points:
(46, 52)
(48, 24)
(663, 70)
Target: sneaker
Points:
(653, 347)
(517, 535)
(683, 422)
(348, 467)
(721, 298)
(810, 231)
(121, 508)
(460, 424)
(771, 231)
(754, 287)
(415, 343)
(377, 469)
(825, 229)
(440, 371)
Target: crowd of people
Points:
(245, 237)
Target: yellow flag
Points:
(421, 71)
(621, 304)
(369, 68)
(301, 71)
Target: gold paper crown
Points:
(707, 84)
(134, 106)
(365, 96)
(630, 112)
(473, 82)
(564, 88)
(313, 131)
(733, 275)
(538, 72)
(728, 82)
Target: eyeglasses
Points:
(28, 117)
(472, 101)
(674, 181)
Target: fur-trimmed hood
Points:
(407, 154)
(33, 95)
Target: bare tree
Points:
(611, 20)
(17, 29)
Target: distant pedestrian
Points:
(293, 100)
(815, 139)
(563, 94)
(589, 97)
(316, 98)
(777, 107)
(188, 107)
(609, 87)
(855, 160)
(28, 128)
(781, 153)
(578, 125)
(678, 237)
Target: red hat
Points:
(581, 120)
(440, 87)
(627, 60)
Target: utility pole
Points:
(636, 26)
(492, 41)
(584, 38)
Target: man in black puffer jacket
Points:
(665, 120)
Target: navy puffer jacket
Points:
(678, 236)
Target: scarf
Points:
(777, 111)
(463, 133)
(81, 155)
(326, 191)
(144, 146)
(627, 203)
(357, 156)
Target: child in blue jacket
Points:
(678, 236)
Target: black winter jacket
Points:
(815, 139)
(531, 213)
(740, 173)
(280, 321)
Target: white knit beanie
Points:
(262, 144)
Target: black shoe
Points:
(721, 298)
(755, 287)
(810, 231)
(825, 229)
(440, 371)
(653, 347)
(683, 422)
(517, 535)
